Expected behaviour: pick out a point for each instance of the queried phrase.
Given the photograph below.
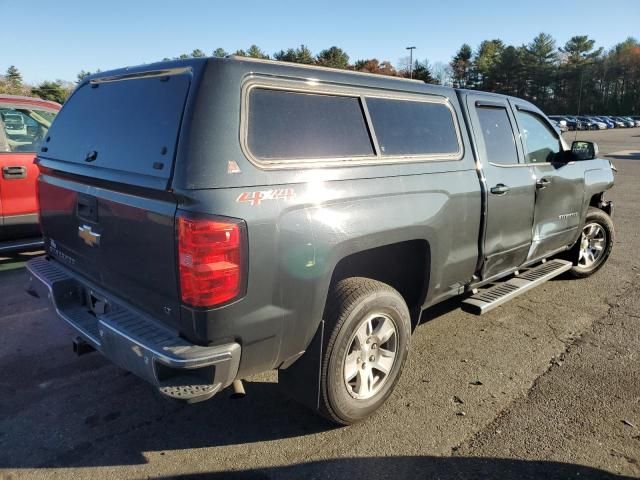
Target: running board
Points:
(500, 293)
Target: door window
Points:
(541, 144)
(498, 135)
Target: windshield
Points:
(23, 129)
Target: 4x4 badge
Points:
(86, 233)
(256, 198)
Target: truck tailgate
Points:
(123, 242)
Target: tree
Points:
(442, 73)
(255, 52)
(540, 62)
(288, 56)
(82, 74)
(485, 63)
(578, 50)
(54, 91)
(304, 55)
(219, 52)
(197, 53)
(419, 71)
(422, 71)
(14, 77)
(375, 66)
(333, 57)
(461, 66)
(297, 55)
(576, 84)
(509, 72)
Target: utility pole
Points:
(411, 49)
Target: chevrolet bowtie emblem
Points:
(88, 235)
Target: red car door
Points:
(18, 176)
(24, 123)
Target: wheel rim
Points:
(371, 355)
(592, 245)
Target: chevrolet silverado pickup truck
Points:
(23, 126)
(209, 219)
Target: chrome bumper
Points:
(132, 340)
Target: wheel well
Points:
(404, 266)
(596, 200)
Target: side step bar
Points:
(494, 296)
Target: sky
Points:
(57, 39)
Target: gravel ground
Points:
(549, 386)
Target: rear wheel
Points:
(367, 347)
(594, 246)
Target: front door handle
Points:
(542, 183)
(500, 189)
(14, 173)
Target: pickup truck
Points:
(23, 126)
(209, 219)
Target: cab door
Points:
(559, 184)
(510, 188)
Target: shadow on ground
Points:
(14, 260)
(629, 156)
(441, 468)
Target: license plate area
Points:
(96, 303)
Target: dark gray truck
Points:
(209, 219)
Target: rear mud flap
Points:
(301, 381)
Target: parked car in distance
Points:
(592, 124)
(304, 228)
(631, 121)
(606, 121)
(624, 122)
(579, 124)
(617, 123)
(563, 123)
(560, 127)
(24, 122)
(13, 124)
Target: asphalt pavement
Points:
(546, 386)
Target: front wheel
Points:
(594, 246)
(369, 334)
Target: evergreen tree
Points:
(333, 57)
(14, 77)
(461, 67)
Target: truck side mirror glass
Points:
(584, 150)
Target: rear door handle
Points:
(14, 173)
(500, 189)
(542, 183)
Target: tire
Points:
(597, 231)
(360, 308)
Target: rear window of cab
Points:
(285, 127)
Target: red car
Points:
(24, 122)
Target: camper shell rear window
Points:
(122, 125)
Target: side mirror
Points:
(582, 150)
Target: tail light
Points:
(211, 259)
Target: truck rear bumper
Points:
(132, 340)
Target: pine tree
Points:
(14, 77)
